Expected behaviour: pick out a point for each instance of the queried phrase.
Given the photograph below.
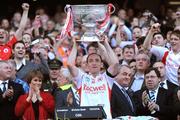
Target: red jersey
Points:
(6, 49)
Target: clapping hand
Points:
(70, 98)
(37, 92)
(9, 92)
(178, 94)
(30, 95)
(145, 98)
(34, 94)
(153, 106)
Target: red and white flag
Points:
(68, 26)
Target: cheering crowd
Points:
(134, 70)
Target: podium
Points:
(80, 113)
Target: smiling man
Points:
(5, 44)
(23, 66)
(171, 58)
(95, 86)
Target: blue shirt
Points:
(23, 83)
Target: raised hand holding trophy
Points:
(90, 17)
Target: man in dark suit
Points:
(164, 83)
(121, 103)
(9, 93)
(67, 98)
(154, 100)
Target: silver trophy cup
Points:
(88, 16)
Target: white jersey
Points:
(95, 91)
(171, 60)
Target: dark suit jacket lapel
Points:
(159, 95)
(10, 83)
(124, 97)
(1, 91)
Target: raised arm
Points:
(111, 55)
(103, 52)
(55, 48)
(119, 29)
(36, 25)
(115, 22)
(18, 34)
(147, 42)
(71, 60)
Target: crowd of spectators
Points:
(133, 70)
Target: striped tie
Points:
(152, 96)
(77, 97)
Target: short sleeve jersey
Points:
(95, 91)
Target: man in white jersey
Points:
(171, 58)
(95, 87)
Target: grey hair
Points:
(147, 57)
(121, 66)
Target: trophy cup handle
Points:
(111, 8)
(66, 8)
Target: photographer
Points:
(149, 18)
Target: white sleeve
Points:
(109, 80)
(128, 32)
(158, 51)
(112, 29)
(78, 79)
(124, 43)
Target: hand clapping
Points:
(34, 94)
(9, 92)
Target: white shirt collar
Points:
(23, 62)
(156, 92)
(165, 84)
(139, 76)
(1, 81)
(120, 87)
(124, 62)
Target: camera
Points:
(150, 18)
